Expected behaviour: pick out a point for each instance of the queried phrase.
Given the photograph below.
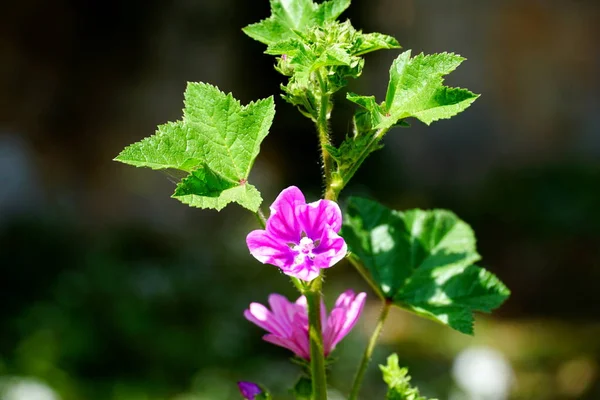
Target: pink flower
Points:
(249, 390)
(299, 238)
(287, 323)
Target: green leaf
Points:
(423, 262)
(320, 60)
(416, 90)
(369, 42)
(288, 16)
(204, 188)
(216, 142)
(451, 294)
(303, 389)
(398, 381)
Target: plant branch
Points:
(364, 363)
(315, 331)
(347, 174)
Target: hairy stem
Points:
(322, 123)
(315, 331)
(261, 218)
(364, 363)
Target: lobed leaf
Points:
(416, 90)
(204, 188)
(288, 16)
(423, 262)
(217, 142)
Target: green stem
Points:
(315, 332)
(354, 260)
(344, 177)
(322, 123)
(261, 218)
(369, 350)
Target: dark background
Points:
(112, 290)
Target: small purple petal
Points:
(282, 224)
(269, 250)
(315, 217)
(249, 390)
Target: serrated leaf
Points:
(217, 142)
(288, 16)
(398, 381)
(204, 188)
(416, 90)
(452, 294)
(330, 10)
(369, 42)
(422, 261)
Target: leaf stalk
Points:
(364, 363)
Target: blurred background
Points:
(112, 290)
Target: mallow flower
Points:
(249, 390)
(299, 238)
(287, 322)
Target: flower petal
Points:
(249, 390)
(264, 318)
(302, 302)
(290, 344)
(284, 311)
(330, 250)
(306, 270)
(343, 318)
(315, 217)
(282, 224)
(268, 250)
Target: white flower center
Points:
(305, 246)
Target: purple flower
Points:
(299, 238)
(249, 390)
(287, 323)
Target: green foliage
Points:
(416, 90)
(216, 142)
(423, 262)
(320, 60)
(317, 52)
(288, 16)
(398, 381)
(303, 389)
